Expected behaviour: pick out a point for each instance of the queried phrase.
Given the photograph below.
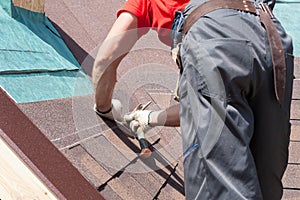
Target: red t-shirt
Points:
(155, 14)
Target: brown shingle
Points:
(295, 107)
(289, 194)
(291, 178)
(42, 153)
(294, 156)
(295, 130)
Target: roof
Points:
(98, 149)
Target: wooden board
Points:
(17, 180)
(33, 5)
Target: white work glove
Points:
(139, 118)
(139, 123)
(115, 112)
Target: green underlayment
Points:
(36, 65)
(288, 12)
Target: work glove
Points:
(115, 113)
(138, 122)
(139, 118)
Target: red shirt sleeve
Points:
(139, 8)
(155, 14)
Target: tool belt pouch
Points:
(177, 28)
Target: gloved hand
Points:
(139, 118)
(139, 123)
(140, 134)
(115, 113)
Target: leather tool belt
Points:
(266, 16)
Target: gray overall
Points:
(235, 133)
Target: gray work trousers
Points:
(235, 133)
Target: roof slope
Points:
(99, 149)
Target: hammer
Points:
(144, 144)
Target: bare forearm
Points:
(117, 44)
(167, 117)
(104, 83)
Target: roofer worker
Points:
(235, 93)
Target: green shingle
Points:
(35, 63)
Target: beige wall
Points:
(33, 5)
